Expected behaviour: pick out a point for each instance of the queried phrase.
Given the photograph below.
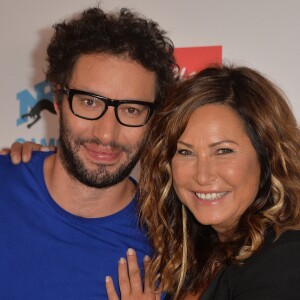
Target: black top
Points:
(272, 273)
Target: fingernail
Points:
(107, 279)
(45, 149)
(14, 159)
(25, 158)
(147, 258)
(130, 251)
(122, 260)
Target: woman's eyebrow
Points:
(223, 141)
(185, 144)
(210, 145)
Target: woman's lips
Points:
(210, 198)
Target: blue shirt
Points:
(48, 253)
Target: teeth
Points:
(210, 196)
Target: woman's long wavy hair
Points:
(187, 254)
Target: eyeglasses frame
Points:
(108, 102)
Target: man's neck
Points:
(81, 200)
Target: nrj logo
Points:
(30, 109)
(32, 106)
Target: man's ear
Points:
(57, 107)
(57, 98)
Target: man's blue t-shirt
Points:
(48, 253)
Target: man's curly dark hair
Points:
(122, 33)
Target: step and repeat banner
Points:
(264, 34)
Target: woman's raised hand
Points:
(130, 281)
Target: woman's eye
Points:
(184, 152)
(224, 151)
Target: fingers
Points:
(28, 148)
(110, 289)
(4, 151)
(134, 272)
(124, 282)
(130, 280)
(23, 151)
(147, 287)
(16, 152)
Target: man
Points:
(67, 217)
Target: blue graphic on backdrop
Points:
(31, 106)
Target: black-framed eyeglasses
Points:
(131, 113)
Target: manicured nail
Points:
(147, 258)
(45, 149)
(122, 260)
(107, 279)
(14, 159)
(130, 251)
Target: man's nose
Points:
(107, 128)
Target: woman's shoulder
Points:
(284, 244)
(274, 253)
(288, 237)
(271, 272)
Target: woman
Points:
(220, 192)
(220, 189)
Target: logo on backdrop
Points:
(194, 59)
(35, 111)
(33, 107)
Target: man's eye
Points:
(133, 111)
(89, 102)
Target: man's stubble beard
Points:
(100, 177)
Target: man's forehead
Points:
(113, 76)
